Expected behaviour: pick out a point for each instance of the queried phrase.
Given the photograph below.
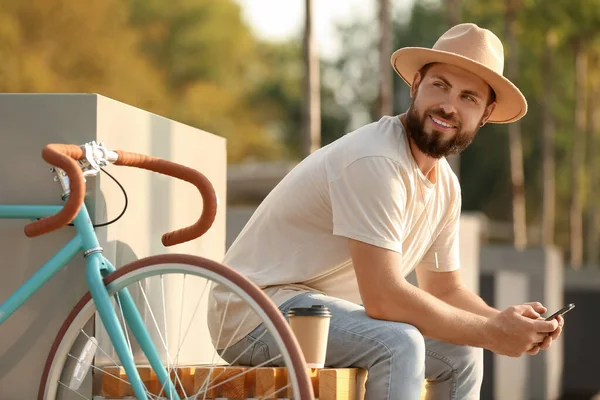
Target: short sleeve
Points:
(368, 201)
(446, 245)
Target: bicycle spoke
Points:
(179, 330)
(218, 340)
(111, 359)
(235, 333)
(241, 373)
(191, 319)
(117, 299)
(77, 393)
(169, 369)
(233, 362)
(170, 361)
(145, 282)
(100, 348)
(103, 371)
(270, 395)
(164, 308)
(182, 291)
(221, 327)
(109, 374)
(162, 289)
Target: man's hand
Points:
(545, 345)
(561, 322)
(518, 329)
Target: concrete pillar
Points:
(156, 204)
(544, 269)
(582, 364)
(471, 228)
(510, 374)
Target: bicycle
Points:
(113, 292)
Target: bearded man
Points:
(347, 225)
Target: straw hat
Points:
(473, 49)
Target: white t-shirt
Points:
(365, 186)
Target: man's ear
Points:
(415, 85)
(487, 113)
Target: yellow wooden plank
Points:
(269, 381)
(205, 378)
(313, 374)
(112, 386)
(232, 383)
(187, 385)
(337, 384)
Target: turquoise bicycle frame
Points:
(97, 267)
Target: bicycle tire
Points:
(297, 361)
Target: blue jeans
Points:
(398, 358)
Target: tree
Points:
(280, 102)
(593, 129)
(548, 133)
(584, 19)
(312, 86)
(206, 51)
(578, 154)
(385, 101)
(514, 132)
(65, 46)
(548, 24)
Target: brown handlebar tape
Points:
(62, 156)
(209, 197)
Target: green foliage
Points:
(66, 46)
(195, 61)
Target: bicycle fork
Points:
(96, 264)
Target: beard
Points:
(433, 144)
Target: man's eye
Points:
(470, 98)
(438, 84)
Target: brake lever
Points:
(95, 157)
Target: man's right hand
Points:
(516, 330)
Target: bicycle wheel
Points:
(70, 373)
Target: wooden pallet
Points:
(328, 384)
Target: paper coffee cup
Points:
(311, 328)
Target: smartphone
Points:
(562, 311)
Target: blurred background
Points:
(279, 79)
(239, 69)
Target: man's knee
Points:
(461, 365)
(472, 360)
(468, 361)
(407, 346)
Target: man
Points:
(352, 220)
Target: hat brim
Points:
(511, 105)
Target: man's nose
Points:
(448, 108)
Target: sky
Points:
(282, 19)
